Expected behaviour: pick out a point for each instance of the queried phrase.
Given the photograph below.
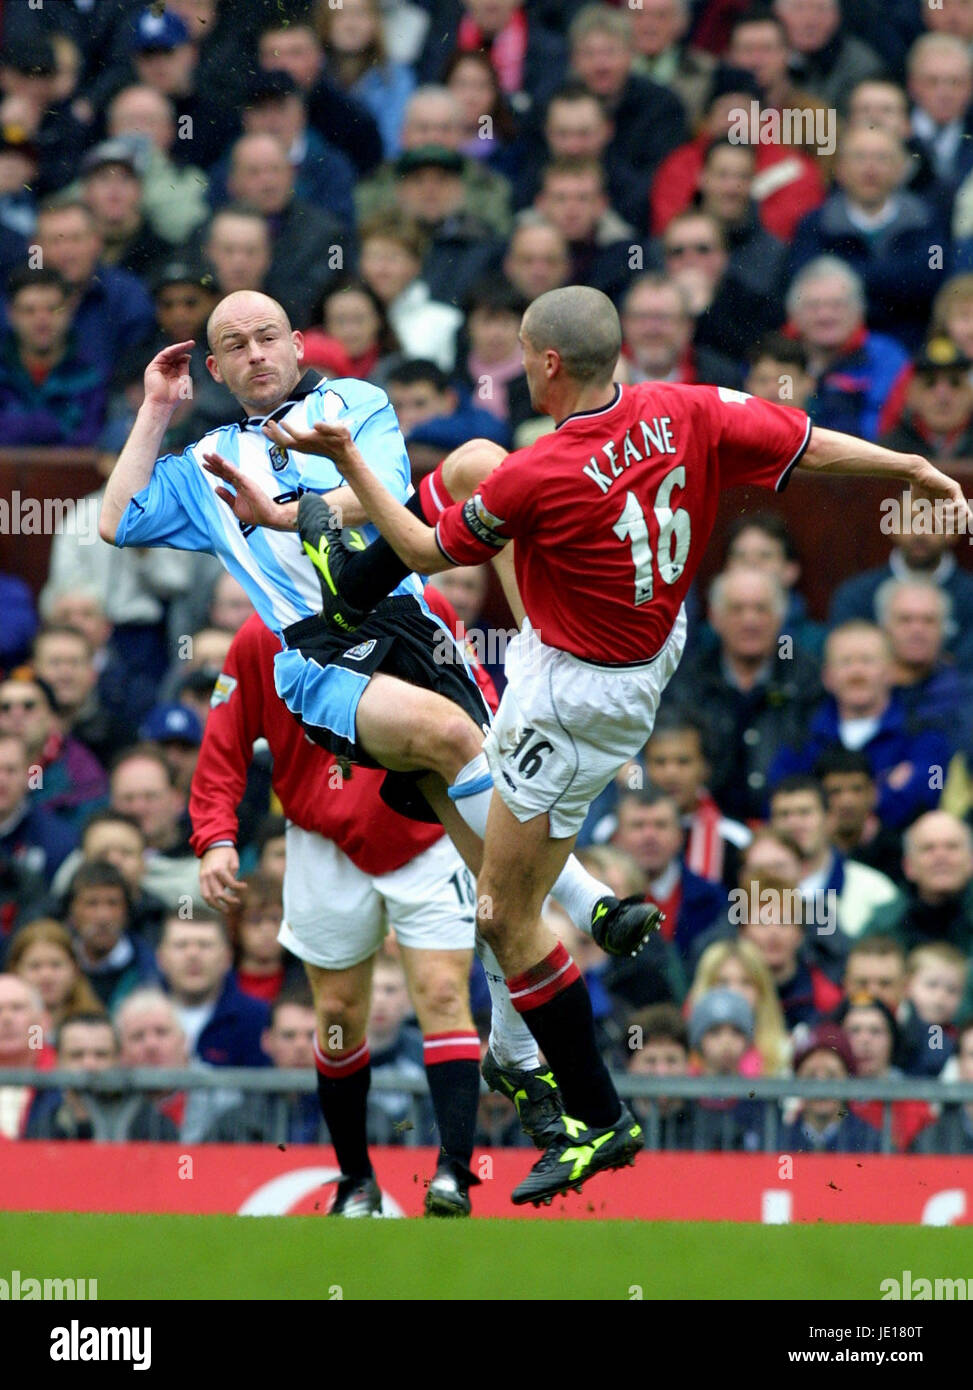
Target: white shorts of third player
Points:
(565, 727)
(336, 916)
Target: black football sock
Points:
(553, 1001)
(453, 1072)
(370, 575)
(343, 1082)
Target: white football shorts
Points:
(335, 915)
(566, 726)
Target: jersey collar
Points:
(308, 383)
(590, 414)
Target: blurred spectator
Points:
(178, 732)
(649, 120)
(66, 777)
(839, 894)
(33, 841)
(529, 58)
(659, 1046)
(184, 296)
(882, 102)
(323, 175)
(913, 614)
(861, 711)
(421, 394)
(229, 606)
(117, 839)
(356, 338)
(873, 1036)
(936, 985)
(114, 958)
(779, 373)
(649, 829)
(659, 29)
(852, 795)
(573, 197)
(192, 674)
(112, 312)
(919, 553)
(42, 954)
(493, 371)
(776, 930)
(308, 245)
(50, 393)
(755, 698)
(940, 81)
(720, 1032)
(788, 183)
(739, 966)
(18, 173)
(63, 657)
(266, 1117)
(28, 76)
(952, 1133)
(173, 194)
(822, 1125)
(824, 59)
(488, 125)
(726, 184)
(537, 259)
(938, 417)
(21, 1045)
(19, 620)
(881, 231)
(762, 541)
(395, 1044)
(88, 1042)
(938, 864)
(111, 186)
(393, 248)
(270, 847)
(223, 1026)
(165, 58)
(759, 45)
(657, 330)
(263, 969)
(142, 786)
(429, 189)
(343, 122)
(876, 967)
(854, 368)
(729, 314)
(434, 117)
(356, 59)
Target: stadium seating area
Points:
(777, 200)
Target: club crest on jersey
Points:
(222, 690)
(361, 651)
(278, 457)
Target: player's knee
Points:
(441, 995)
(467, 467)
(341, 1022)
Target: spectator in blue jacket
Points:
(913, 613)
(355, 58)
(826, 1126)
(422, 396)
(112, 310)
(862, 712)
(114, 959)
(885, 234)
(222, 1024)
(19, 620)
(49, 392)
(853, 368)
(34, 843)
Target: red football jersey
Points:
(612, 512)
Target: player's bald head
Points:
(241, 307)
(581, 325)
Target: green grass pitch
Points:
(229, 1257)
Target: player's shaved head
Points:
(243, 304)
(581, 325)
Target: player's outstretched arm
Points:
(166, 383)
(828, 451)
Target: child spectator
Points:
(720, 1034)
(395, 1044)
(825, 1126)
(739, 965)
(262, 965)
(658, 1045)
(41, 954)
(936, 977)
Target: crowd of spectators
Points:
(405, 176)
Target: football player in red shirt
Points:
(611, 514)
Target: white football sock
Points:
(578, 891)
(511, 1041)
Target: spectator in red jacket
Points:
(21, 1045)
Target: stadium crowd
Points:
(405, 176)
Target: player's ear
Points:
(214, 369)
(298, 340)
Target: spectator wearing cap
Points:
(178, 731)
(165, 58)
(434, 117)
(111, 308)
(355, 338)
(34, 842)
(528, 57)
(323, 174)
(721, 1027)
(18, 174)
(49, 392)
(65, 658)
(355, 58)
(879, 230)
(173, 195)
(429, 189)
(309, 246)
(113, 958)
(788, 184)
(873, 1037)
(393, 247)
(825, 59)
(573, 198)
(111, 186)
(823, 1125)
(29, 77)
(938, 417)
(66, 776)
